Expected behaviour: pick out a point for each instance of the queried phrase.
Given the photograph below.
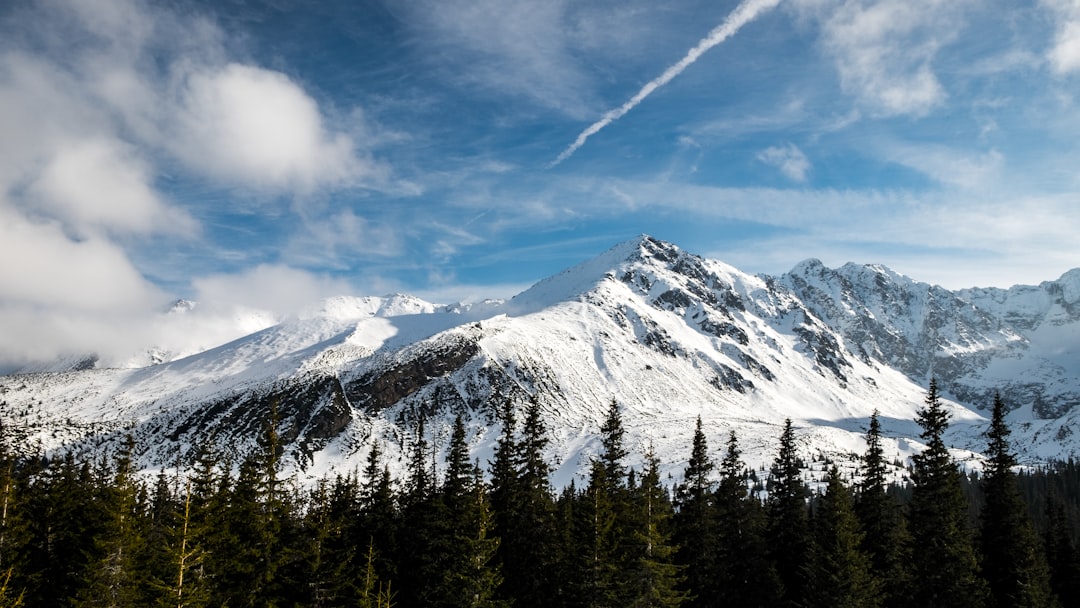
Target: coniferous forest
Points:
(93, 533)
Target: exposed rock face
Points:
(670, 335)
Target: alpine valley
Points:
(668, 335)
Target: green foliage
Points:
(695, 522)
(1013, 560)
(946, 569)
(885, 537)
(93, 533)
(789, 531)
(841, 572)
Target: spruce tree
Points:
(1013, 560)
(606, 509)
(946, 570)
(377, 524)
(527, 551)
(694, 523)
(422, 541)
(789, 532)
(885, 528)
(842, 575)
(654, 577)
(1061, 551)
(112, 580)
(744, 575)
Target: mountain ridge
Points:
(668, 334)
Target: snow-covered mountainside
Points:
(670, 336)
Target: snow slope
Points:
(668, 335)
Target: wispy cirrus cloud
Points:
(885, 49)
(745, 12)
(1064, 55)
(789, 159)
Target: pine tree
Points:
(112, 578)
(377, 523)
(1061, 552)
(654, 576)
(62, 534)
(606, 508)
(789, 533)
(744, 575)
(694, 523)
(421, 533)
(885, 529)
(946, 570)
(527, 551)
(1013, 560)
(841, 571)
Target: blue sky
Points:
(265, 154)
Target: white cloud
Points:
(99, 101)
(100, 183)
(884, 49)
(341, 235)
(971, 172)
(276, 288)
(1064, 56)
(789, 159)
(45, 268)
(517, 47)
(257, 127)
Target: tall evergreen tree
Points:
(946, 569)
(789, 531)
(695, 533)
(112, 579)
(527, 550)
(1061, 552)
(377, 524)
(459, 567)
(842, 575)
(654, 577)
(606, 509)
(421, 530)
(885, 529)
(744, 575)
(1013, 560)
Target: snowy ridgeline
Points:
(668, 335)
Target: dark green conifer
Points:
(744, 575)
(606, 507)
(1013, 560)
(885, 537)
(694, 524)
(654, 577)
(945, 565)
(789, 531)
(841, 572)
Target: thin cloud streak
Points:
(746, 12)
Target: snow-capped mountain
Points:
(669, 335)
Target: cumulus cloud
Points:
(257, 127)
(99, 104)
(101, 183)
(789, 159)
(1064, 55)
(884, 49)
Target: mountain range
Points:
(670, 336)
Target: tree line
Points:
(94, 533)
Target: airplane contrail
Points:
(746, 12)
